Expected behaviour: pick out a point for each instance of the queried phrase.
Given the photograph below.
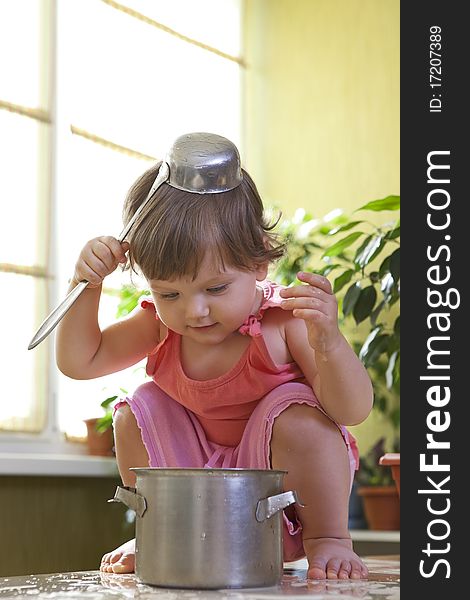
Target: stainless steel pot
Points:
(208, 528)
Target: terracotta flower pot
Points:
(392, 459)
(381, 507)
(100, 443)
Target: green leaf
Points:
(388, 203)
(370, 251)
(104, 423)
(374, 315)
(360, 249)
(384, 267)
(344, 227)
(387, 287)
(364, 304)
(372, 335)
(396, 326)
(129, 298)
(395, 294)
(375, 349)
(396, 371)
(342, 280)
(395, 264)
(108, 401)
(389, 374)
(350, 298)
(340, 246)
(394, 233)
(326, 270)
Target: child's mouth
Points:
(203, 327)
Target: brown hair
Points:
(171, 237)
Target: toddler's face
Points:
(212, 306)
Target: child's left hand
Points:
(316, 304)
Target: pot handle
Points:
(129, 497)
(267, 507)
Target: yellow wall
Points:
(321, 109)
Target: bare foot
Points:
(121, 560)
(332, 558)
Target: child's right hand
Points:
(98, 258)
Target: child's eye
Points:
(170, 296)
(217, 289)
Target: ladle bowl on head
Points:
(204, 163)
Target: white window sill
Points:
(369, 535)
(65, 465)
(29, 455)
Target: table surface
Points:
(383, 584)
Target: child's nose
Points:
(197, 309)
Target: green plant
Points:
(106, 421)
(364, 268)
(370, 472)
(129, 297)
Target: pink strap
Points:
(251, 327)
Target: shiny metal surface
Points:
(201, 163)
(131, 499)
(268, 507)
(200, 530)
(204, 163)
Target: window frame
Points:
(51, 440)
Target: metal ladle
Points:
(201, 163)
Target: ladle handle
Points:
(56, 315)
(50, 323)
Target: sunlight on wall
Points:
(322, 101)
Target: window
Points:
(92, 94)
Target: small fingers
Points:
(84, 272)
(315, 280)
(305, 291)
(99, 258)
(304, 302)
(109, 251)
(317, 295)
(117, 248)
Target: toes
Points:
(344, 570)
(332, 568)
(358, 570)
(125, 564)
(317, 569)
(105, 561)
(115, 557)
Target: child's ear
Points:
(262, 272)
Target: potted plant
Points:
(100, 438)
(362, 260)
(378, 491)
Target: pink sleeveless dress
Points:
(224, 422)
